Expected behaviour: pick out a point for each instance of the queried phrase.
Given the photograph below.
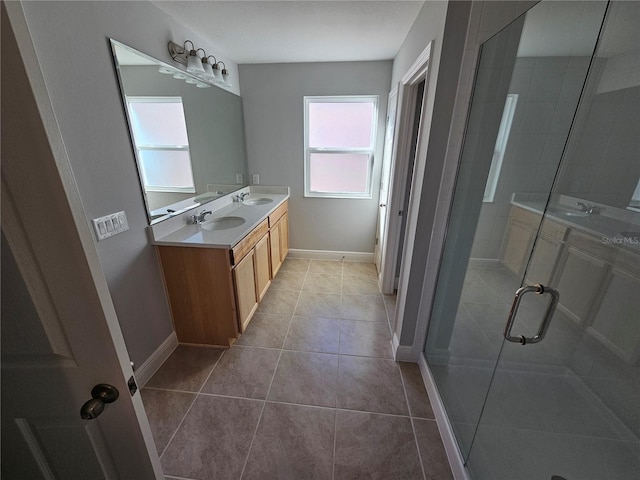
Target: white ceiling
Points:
(298, 31)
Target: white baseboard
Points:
(155, 360)
(331, 255)
(444, 426)
(402, 353)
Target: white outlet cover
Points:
(239, 178)
(255, 179)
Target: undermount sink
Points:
(257, 201)
(223, 223)
(562, 211)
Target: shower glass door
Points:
(568, 406)
(545, 194)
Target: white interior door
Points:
(60, 334)
(381, 230)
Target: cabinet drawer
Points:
(277, 213)
(245, 245)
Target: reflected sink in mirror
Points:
(257, 201)
(563, 211)
(223, 223)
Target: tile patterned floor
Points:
(309, 391)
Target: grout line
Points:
(192, 403)
(264, 402)
(335, 436)
(413, 428)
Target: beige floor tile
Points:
(434, 457)
(306, 378)
(322, 283)
(243, 372)
(370, 385)
(214, 439)
(313, 334)
(363, 307)
(165, 410)
(360, 268)
(354, 285)
(327, 267)
(265, 330)
(372, 446)
(312, 304)
(186, 369)
(366, 339)
(292, 443)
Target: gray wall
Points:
(91, 118)
(272, 97)
(428, 25)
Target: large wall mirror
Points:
(187, 136)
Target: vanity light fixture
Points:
(211, 73)
(208, 69)
(226, 78)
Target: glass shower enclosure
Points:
(534, 336)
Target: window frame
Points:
(308, 151)
(159, 148)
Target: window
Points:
(501, 146)
(162, 147)
(339, 141)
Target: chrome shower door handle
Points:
(542, 330)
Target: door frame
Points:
(407, 95)
(76, 219)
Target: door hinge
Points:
(133, 387)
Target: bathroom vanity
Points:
(591, 258)
(217, 272)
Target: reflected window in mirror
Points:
(160, 136)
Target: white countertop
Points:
(181, 234)
(613, 225)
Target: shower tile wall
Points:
(605, 166)
(548, 89)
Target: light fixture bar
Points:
(212, 73)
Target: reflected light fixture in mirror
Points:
(199, 65)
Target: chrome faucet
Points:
(588, 209)
(199, 218)
(240, 197)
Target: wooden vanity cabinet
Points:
(279, 237)
(201, 294)
(214, 292)
(252, 277)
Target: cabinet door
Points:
(284, 236)
(517, 246)
(579, 282)
(262, 267)
(276, 256)
(245, 280)
(544, 260)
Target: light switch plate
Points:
(110, 225)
